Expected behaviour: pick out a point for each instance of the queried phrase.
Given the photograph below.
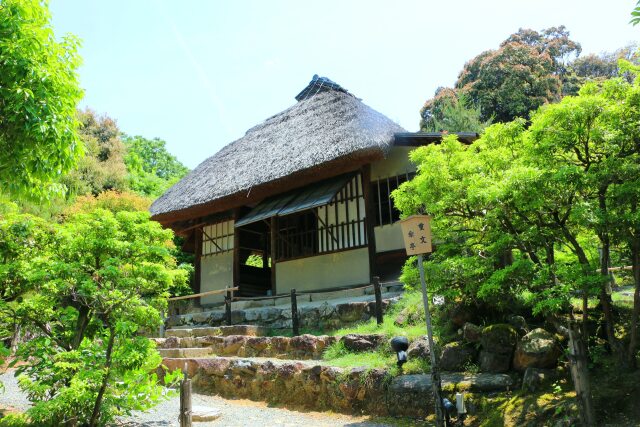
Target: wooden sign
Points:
(416, 231)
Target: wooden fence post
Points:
(580, 375)
(294, 314)
(227, 307)
(185, 400)
(378, 293)
(161, 330)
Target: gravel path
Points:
(234, 412)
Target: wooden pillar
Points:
(236, 252)
(369, 220)
(274, 250)
(197, 280)
(378, 294)
(185, 401)
(295, 322)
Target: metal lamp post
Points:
(416, 232)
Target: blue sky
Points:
(200, 73)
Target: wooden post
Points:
(227, 306)
(370, 219)
(185, 400)
(378, 293)
(580, 375)
(162, 318)
(435, 372)
(294, 314)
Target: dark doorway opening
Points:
(254, 258)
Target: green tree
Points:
(451, 112)
(510, 82)
(527, 70)
(101, 283)
(39, 91)
(152, 169)
(523, 214)
(103, 166)
(635, 14)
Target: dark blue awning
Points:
(312, 196)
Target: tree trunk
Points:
(605, 299)
(633, 326)
(584, 261)
(105, 380)
(81, 327)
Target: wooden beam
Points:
(274, 249)
(236, 250)
(369, 220)
(197, 282)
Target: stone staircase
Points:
(243, 361)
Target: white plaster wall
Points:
(396, 163)
(388, 238)
(324, 271)
(216, 272)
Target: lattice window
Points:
(341, 223)
(217, 238)
(336, 226)
(385, 211)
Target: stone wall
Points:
(317, 316)
(302, 347)
(324, 388)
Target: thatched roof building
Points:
(325, 126)
(301, 201)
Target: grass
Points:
(410, 305)
(618, 297)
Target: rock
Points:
(519, 323)
(419, 348)
(460, 314)
(201, 318)
(471, 333)
(214, 367)
(494, 362)
(537, 349)
(361, 342)
(204, 413)
(232, 344)
(500, 338)
(171, 342)
(257, 345)
(456, 355)
(351, 312)
(303, 344)
(534, 379)
(243, 367)
(401, 319)
(498, 342)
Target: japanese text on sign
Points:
(416, 232)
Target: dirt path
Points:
(234, 412)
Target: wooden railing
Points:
(204, 294)
(295, 320)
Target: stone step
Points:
(303, 347)
(200, 414)
(321, 387)
(185, 352)
(247, 330)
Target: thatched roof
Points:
(324, 126)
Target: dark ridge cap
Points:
(319, 84)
